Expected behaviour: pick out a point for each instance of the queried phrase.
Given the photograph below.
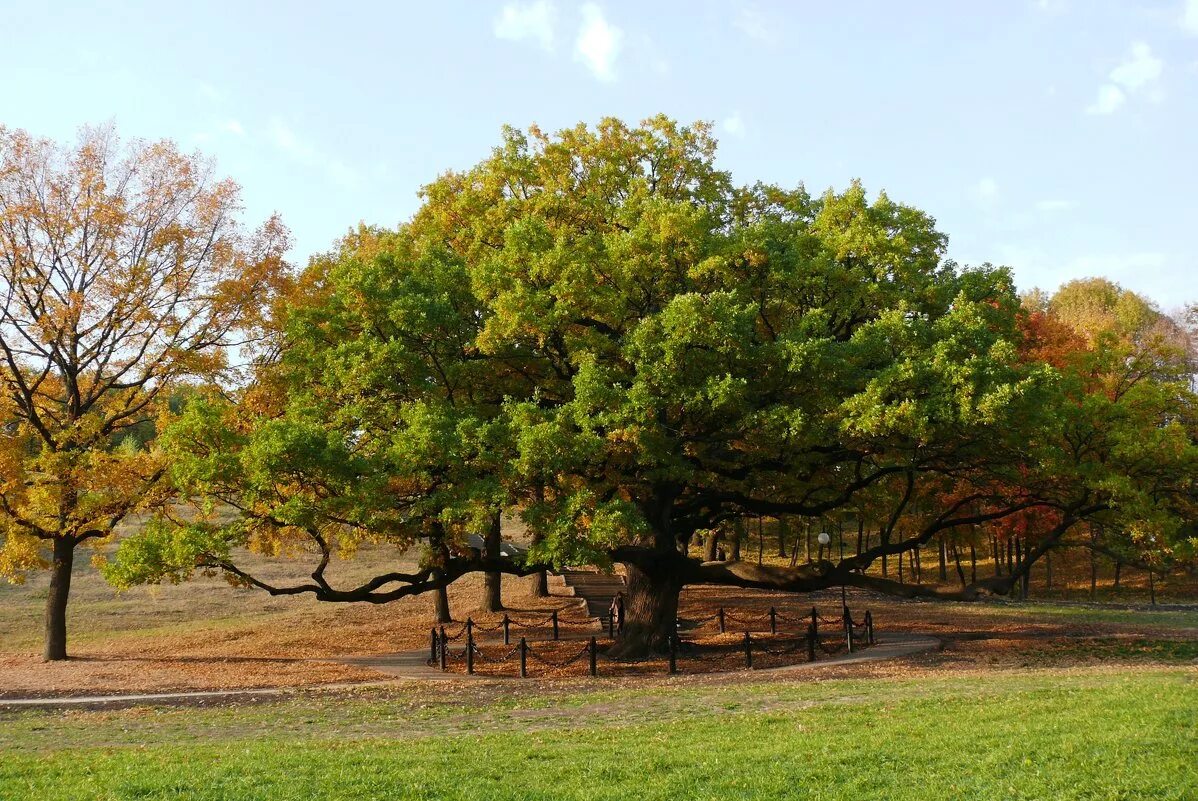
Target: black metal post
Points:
(432, 652)
(507, 631)
(469, 652)
(815, 619)
(773, 620)
(848, 632)
(811, 635)
(611, 626)
(748, 650)
(444, 648)
(523, 658)
(469, 628)
(721, 616)
(869, 627)
(594, 652)
(554, 616)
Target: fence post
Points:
(611, 625)
(554, 617)
(469, 652)
(748, 650)
(673, 654)
(523, 658)
(507, 631)
(721, 616)
(811, 635)
(848, 631)
(773, 620)
(432, 651)
(469, 627)
(869, 627)
(815, 619)
(593, 654)
(444, 648)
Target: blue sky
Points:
(1054, 136)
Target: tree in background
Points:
(123, 274)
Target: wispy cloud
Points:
(986, 190)
(1137, 73)
(735, 125)
(293, 146)
(752, 23)
(1052, 206)
(1189, 17)
(598, 44)
(210, 92)
(534, 22)
(233, 127)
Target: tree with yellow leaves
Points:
(125, 275)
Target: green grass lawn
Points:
(1037, 735)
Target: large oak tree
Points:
(600, 329)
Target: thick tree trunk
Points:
(651, 611)
(56, 601)
(441, 606)
(540, 579)
(493, 582)
(711, 546)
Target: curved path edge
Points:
(411, 665)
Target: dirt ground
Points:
(208, 635)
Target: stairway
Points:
(597, 589)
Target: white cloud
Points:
(294, 147)
(534, 21)
(752, 23)
(986, 190)
(1054, 205)
(1189, 17)
(598, 44)
(1110, 98)
(1138, 72)
(735, 125)
(234, 127)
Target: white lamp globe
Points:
(824, 538)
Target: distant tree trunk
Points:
(943, 560)
(540, 579)
(441, 612)
(492, 581)
(917, 564)
(782, 534)
(1151, 588)
(807, 532)
(860, 533)
(1093, 563)
(738, 534)
(1118, 570)
(957, 561)
(1048, 570)
(994, 554)
(1010, 555)
(56, 600)
(885, 568)
(900, 567)
(973, 562)
(760, 540)
(711, 545)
